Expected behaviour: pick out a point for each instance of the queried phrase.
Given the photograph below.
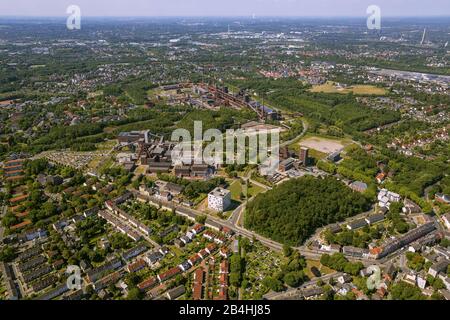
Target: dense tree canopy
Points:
(405, 291)
(291, 212)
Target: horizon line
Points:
(228, 16)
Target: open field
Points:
(323, 145)
(106, 145)
(313, 263)
(330, 87)
(140, 170)
(95, 94)
(317, 154)
(236, 189)
(74, 159)
(253, 190)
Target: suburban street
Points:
(232, 225)
(297, 291)
(305, 129)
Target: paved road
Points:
(259, 184)
(235, 216)
(287, 143)
(238, 230)
(307, 253)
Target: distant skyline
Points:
(293, 8)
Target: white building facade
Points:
(219, 199)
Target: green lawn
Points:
(253, 190)
(314, 263)
(330, 87)
(317, 154)
(236, 188)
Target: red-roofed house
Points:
(136, 266)
(211, 248)
(169, 274)
(380, 177)
(148, 284)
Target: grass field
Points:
(317, 154)
(313, 263)
(253, 190)
(95, 94)
(236, 188)
(106, 145)
(330, 87)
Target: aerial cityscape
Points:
(225, 155)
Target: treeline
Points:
(292, 273)
(338, 262)
(85, 136)
(192, 189)
(360, 239)
(138, 91)
(341, 111)
(223, 119)
(409, 176)
(292, 211)
(412, 174)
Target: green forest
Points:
(292, 211)
(342, 111)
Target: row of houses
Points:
(94, 274)
(34, 270)
(223, 280)
(59, 290)
(198, 257)
(13, 169)
(197, 290)
(183, 267)
(133, 252)
(107, 280)
(176, 292)
(367, 221)
(8, 279)
(190, 235)
(119, 225)
(43, 283)
(406, 239)
(419, 237)
(27, 254)
(112, 205)
(211, 236)
(43, 270)
(154, 257)
(195, 170)
(31, 263)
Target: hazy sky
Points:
(224, 7)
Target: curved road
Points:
(305, 128)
